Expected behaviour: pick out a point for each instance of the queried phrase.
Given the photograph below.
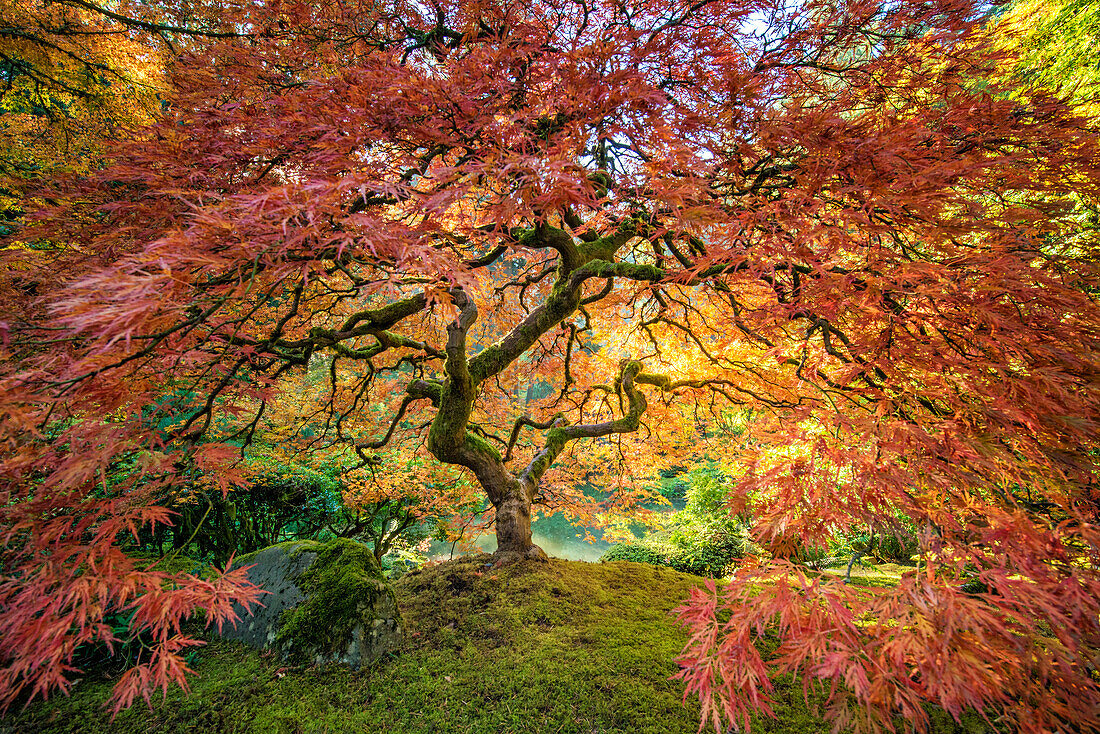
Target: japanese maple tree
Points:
(512, 234)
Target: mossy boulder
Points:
(327, 602)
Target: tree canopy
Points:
(535, 240)
(1055, 45)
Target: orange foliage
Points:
(553, 244)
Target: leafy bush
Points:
(705, 538)
(635, 552)
(673, 488)
(284, 501)
(706, 549)
(897, 548)
(713, 557)
(892, 546)
(702, 539)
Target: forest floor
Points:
(561, 647)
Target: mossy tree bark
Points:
(453, 439)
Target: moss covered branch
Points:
(560, 434)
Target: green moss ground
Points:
(558, 647)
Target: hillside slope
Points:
(532, 648)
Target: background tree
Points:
(74, 76)
(838, 214)
(1055, 47)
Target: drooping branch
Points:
(487, 259)
(153, 27)
(387, 316)
(362, 448)
(374, 323)
(387, 340)
(666, 384)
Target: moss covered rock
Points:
(327, 602)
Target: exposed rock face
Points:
(328, 602)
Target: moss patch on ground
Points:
(556, 647)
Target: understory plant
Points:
(704, 538)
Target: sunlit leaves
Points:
(477, 231)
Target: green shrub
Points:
(891, 546)
(702, 539)
(284, 501)
(897, 548)
(706, 546)
(687, 549)
(635, 552)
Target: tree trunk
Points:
(513, 520)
